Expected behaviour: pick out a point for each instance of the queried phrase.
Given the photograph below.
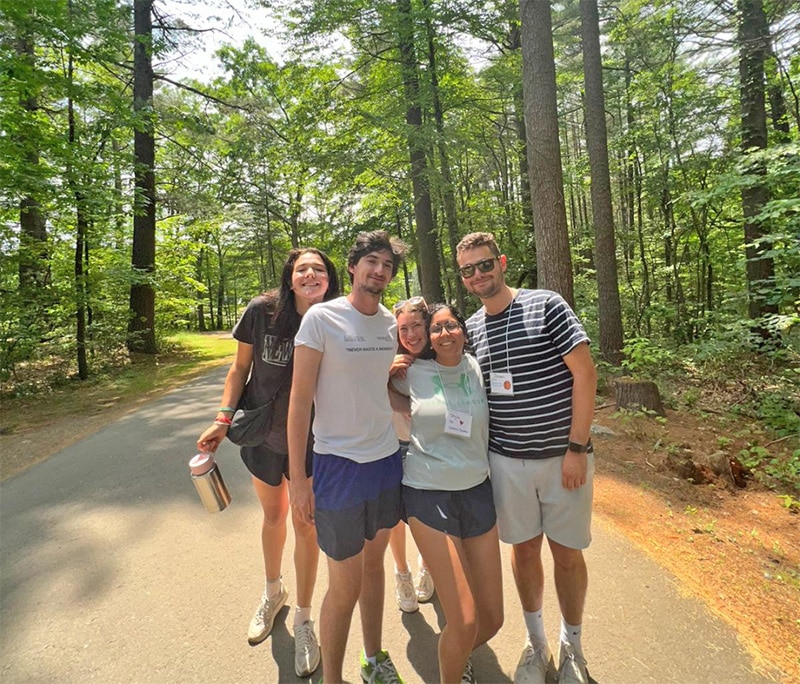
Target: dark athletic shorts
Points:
(463, 514)
(353, 501)
(270, 466)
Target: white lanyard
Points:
(501, 382)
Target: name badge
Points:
(501, 383)
(458, 423)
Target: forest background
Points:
(642, 158)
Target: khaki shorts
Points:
(530, 501)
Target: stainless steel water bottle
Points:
(208, 482)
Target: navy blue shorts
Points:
(464, 513)
(352, 501)
(270, 466)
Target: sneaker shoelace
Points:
(405, 588)
(384, 672)
(469, 675)
(303, 637)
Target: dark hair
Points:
(376, 241)
(427, 352)
(475, 240)
(285, 319)
(435, 308)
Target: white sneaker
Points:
(572, 668)
(425, 586)
(261, 624)
(306, 649)
(535, 666)
(404, 591)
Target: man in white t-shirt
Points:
(343, 351)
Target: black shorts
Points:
(464, 513)
(270, 466)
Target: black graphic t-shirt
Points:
(272, 357)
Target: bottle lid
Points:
(201, 464)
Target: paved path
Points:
(111, 571)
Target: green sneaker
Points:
(383, 672)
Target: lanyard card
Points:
(458, 423)
(501, 383)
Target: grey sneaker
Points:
(469, 675)
(306, 649)
(535, 666)
(261, 624)
(404, 591)
(383, 672)
(425, 586)
(572, 669)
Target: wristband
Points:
(223, 420)
(226, 409)
(578, 448)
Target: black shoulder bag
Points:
(250, 426)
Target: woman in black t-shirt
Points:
(263, 366)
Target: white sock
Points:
(535, 625)
(372, 660)
(402, 575)
(301, 615)
(273, 587)
(571, 634)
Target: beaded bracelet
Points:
(226, 409)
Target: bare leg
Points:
(336, 614)
(373, 587)
(275, 507)
(526, 563)
(458, 635)
(306, 560)
(571, 580)
(481, 559)
(397, 542)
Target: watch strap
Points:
(578, 448)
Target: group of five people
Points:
(500, 413)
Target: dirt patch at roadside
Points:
(738, 550)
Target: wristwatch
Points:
(577, 448)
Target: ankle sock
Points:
(301, 615)
(273, 587)
(403, 575)
(535, 624)
(571, 634)
(371, 660)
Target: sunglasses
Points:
(484, 266)
(450, 326)
(412, 303)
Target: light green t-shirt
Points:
(437, 460)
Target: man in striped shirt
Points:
(541, 380)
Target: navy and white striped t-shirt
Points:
(529, 339)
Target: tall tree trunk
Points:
(448, 195)
(605, 257)
(34, 260)
(81, 223)
(141, 328)
(753, 39)
(554, 264)
(428, 252)
(515, 43)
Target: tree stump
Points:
(637, 395)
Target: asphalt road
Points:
(112, 571)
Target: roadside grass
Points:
(128, 381)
